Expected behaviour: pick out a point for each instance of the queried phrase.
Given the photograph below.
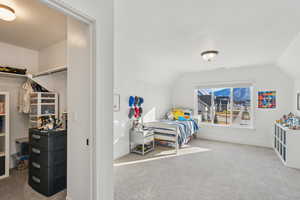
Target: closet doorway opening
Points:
(47, 106)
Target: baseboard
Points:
(233, 142)
(121, 155)
(68, 198)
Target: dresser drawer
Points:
(56, 171)
(47, 158)
(47, 186)
(47, 141)
(2, 165)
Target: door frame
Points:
(91, 22)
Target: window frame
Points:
(231, 86)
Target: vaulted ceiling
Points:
(157, 40)
(36, 26)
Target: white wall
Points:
(157, 102)
(289, 61)
(22, 58)
(53, 56)
(49, 58)
(19, 57)
(295, 92)
(264, 78)
(102, 12)
(134, 75)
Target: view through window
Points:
(225, 106)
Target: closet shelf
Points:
(2, 134)
(50, 71)
(35, 104)
(44, 98)
(30, 76)
(43, 115)
(2, 154)
(5, 74)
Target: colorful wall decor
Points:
(267, 99)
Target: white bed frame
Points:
(173, 129)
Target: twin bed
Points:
(173, 133)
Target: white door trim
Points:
(91, 22)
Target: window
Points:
(228, 106)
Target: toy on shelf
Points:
(291, 121)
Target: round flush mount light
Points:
(209, 55)
(7, 13)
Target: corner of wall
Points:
(53, 56)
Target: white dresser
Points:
(287, 145)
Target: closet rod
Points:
(51, 71)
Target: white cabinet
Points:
(4, 135)
(42, 105)
(287, 145)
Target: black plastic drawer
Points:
(56, 171)
(2, 165)
(48, 140)
(47, 186)
(47, 158)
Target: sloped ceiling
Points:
(157, 40)
(289, 61)
(36, 26)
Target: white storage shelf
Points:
(143, 139)
(42, 104)
(287, 145)
(4, 135)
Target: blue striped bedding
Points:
(186, 129)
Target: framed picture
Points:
(298, 101)
(116, 105)
(267, 99)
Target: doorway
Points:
(80, 102)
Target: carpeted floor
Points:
(204, 170)
(15, 187)
(207, 170)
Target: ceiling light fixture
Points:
(209, 55)
(7, 13)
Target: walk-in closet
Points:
(46, 102)
(33, 102)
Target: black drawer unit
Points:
(48, 140)
(47, 186)
(47, 158)
(48, 161)
(2, 165)
(56, 171)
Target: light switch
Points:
(74, 116)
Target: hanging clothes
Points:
(24, 97)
